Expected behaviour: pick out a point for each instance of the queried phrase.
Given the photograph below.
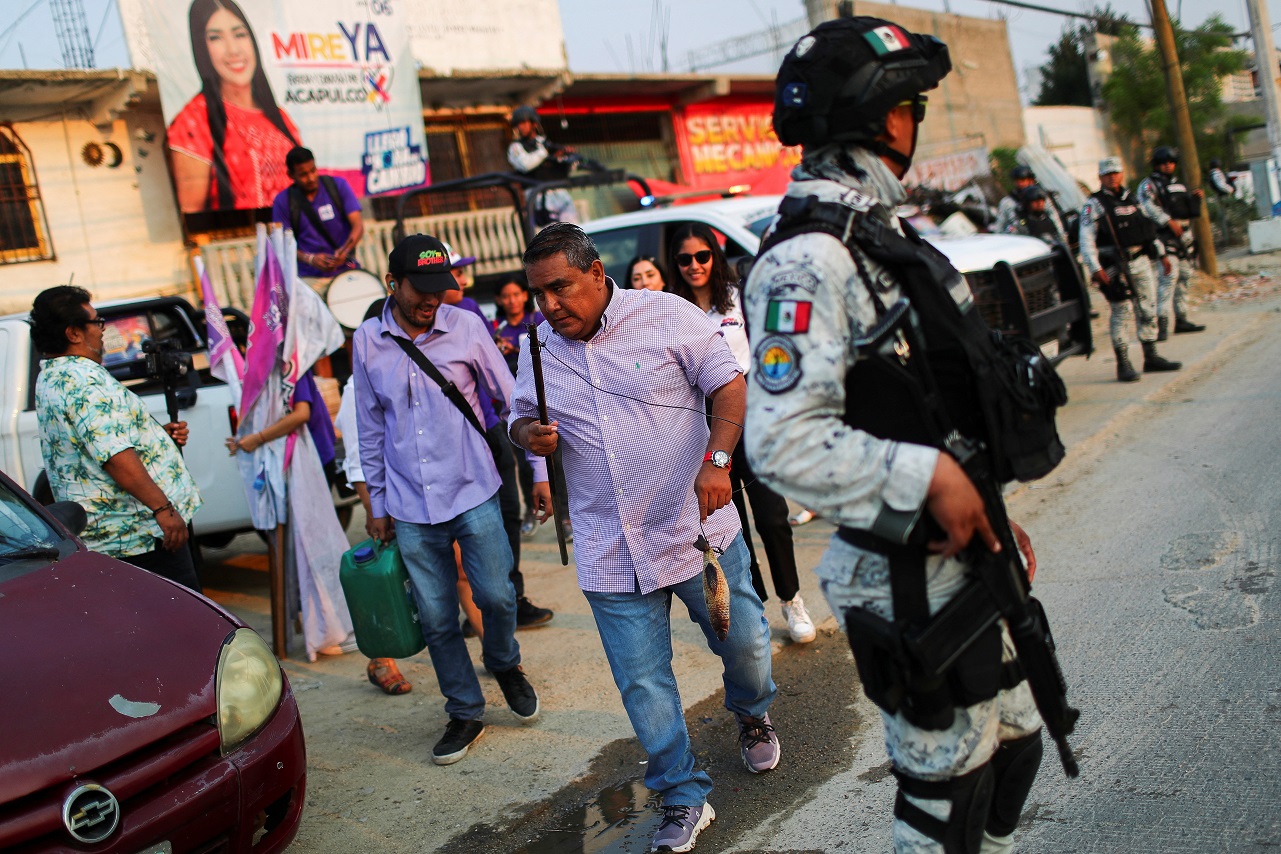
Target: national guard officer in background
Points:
(1172, 206)
(532, 153)
(1038, 218)
(1118, 247)
(1007, 210)
(826, 433)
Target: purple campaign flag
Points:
(225, 361)
(266, 322)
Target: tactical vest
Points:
(550, 169)
(1133, 228)
(974, 369)
(1176, 200)
(1040, 225)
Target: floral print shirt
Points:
(86, 417)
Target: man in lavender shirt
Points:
(432, 480)
(627, 374)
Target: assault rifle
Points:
(1000, 588)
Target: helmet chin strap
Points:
(882, 148)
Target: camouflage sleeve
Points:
(1053, 211)
(806, 303)
(1089, 245)
(1150, 202)
(1007, 216)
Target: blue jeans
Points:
(636, 632)
(428, 552)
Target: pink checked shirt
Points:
(631, 464)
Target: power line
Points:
(1098, 19)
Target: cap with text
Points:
(424, 262)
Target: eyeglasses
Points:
(917, 104)
(100, 322)
(702, 256)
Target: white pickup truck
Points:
(205, 404)
(1019, 283)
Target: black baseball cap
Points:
(424, 262)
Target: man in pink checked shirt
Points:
(627, 374)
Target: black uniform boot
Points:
(1125, 372)
(1182, 324)
(1162, 328)
(1152, 361)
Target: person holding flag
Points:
(290, 328)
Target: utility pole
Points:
(1266, 68)
(1191, 164)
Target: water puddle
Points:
(618, 820)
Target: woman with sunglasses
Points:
(644, 273)
(704, 278)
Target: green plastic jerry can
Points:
(383, 610)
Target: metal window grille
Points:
(24, 229)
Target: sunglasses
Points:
(702, 256)
(918, 107)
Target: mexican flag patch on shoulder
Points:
(787, 316)
(887, 39)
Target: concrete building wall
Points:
(1077, 136)
(115, 230)
(978, 103)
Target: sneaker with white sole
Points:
(680, 827)
(799, 624)
(802, 517)
(459, 736)
(758, 744)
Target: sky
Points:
(622, 36)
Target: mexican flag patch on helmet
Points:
(887, 39)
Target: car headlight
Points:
(248, 686)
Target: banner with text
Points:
(723, 145)
(242, 85)
(951, 171)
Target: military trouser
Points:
(1172, 288)
(1141, 304)
(853, 577)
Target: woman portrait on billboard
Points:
(229, 142)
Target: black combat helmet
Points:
(1022, 173)
(838, 82)
(1164, 154)
(1032, 194)
(524, 113)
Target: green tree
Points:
(1065, 79)
(1135, 93)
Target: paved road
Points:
(1155, 539)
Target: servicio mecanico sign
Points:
(241, 84)
(723, 145)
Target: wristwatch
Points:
(720, 459)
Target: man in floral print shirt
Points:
(104, 450)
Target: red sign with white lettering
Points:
(726, 144)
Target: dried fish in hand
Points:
(715, 589)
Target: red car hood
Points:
(97, 659)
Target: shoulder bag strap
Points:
(309, 210)
(450, 390)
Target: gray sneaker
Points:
(758, 744)
(680, 827)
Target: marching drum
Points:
(350, 294)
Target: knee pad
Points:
(970, 796)
(1014, 767)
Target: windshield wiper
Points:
(33, 552)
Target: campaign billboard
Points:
(240, 85)
(723, 144)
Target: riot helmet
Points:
(1164, 154)
(1031, 194)
(838, 83)
(1022, 173)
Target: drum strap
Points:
(451, 391)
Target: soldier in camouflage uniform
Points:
(850, 94)
(1038, 218)
(1010, 208)
(1114, 228)
(1168, 202)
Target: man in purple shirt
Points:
(627, 381)
(432, 481)
(324, 214)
